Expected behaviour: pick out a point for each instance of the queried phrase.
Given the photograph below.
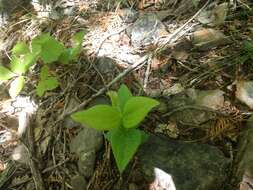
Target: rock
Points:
(244, 157)
(78, 182)
(213, 99)
(205, 39)
(169, 129)
(214, 16)
(188, 99)
(86, 163)
(106, 65)
(128, 15)
(87, 140)
(146, 30)
(175, 89)
(85, 145)
(244, 92)
(171, 165)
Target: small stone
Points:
(106, 65)
(86, 163)
(175, 89)
(88, 139)
(170, 129)
(78, 182)
(213, 99)
(146, 30)
(205, 39)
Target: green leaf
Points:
(125, 143)
(100, 117)
(71, 54)
(136, 110)
(44, 73)
(50, 49)
(5, 74)
(65, 57)
(20, 48)
(21, 64)
(16, 86)
(74, 52)
(44, 85)
(113, 97)
(36, 49)
(124, 95)
(78, 38)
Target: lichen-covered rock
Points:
(189, 99)
(146, 30)
(178, 165)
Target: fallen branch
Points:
(33, 161)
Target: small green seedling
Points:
(121, 120)
(48, 50)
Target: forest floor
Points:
(196, 52)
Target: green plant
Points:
(121, 120)
(43, 47)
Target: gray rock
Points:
(85, 145)
(213, 99)
(78, 182)
(106, 65)
(146, 30)
(244, 157)
(86, 163)
(178, 165)
(87, 140)
(189, 99)
(128, 15)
